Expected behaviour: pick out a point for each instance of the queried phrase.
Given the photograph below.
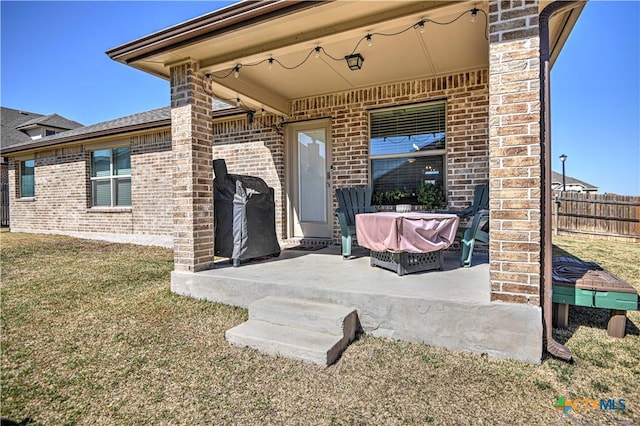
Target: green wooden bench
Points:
(581, 283)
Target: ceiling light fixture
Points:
(354, 61)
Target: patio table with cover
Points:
(406, 242)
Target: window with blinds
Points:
(111, 177)
(27, 179)
(408, 147)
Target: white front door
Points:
(309, 180)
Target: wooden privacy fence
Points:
(607, 216)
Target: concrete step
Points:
(310, 315)
(290, 342)
(297, 328)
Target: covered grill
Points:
(244, 216)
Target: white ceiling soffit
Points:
(336, 27)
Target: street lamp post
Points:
(563, 158)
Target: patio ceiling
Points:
(249, 33)
(337, 27)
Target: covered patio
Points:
(482, 67)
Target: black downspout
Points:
(554, 348)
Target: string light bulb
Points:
(474, 15)
(421, 26)
(369, 40)
(317, 51)
(238, 102)
(271, 62)
(236, 71)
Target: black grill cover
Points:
(244, 216)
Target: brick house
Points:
(340, 94)
(100, 181)
(571, 184)
(22, 128)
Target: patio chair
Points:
(472, 234)
(351, 201)
(480, 202)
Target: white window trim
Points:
(112, 178)
(21, 161)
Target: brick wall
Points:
(255, 149)
(467, 122)
(151, 187)
(191, 135)
(62, 201)
(467, 135)
(514, 150)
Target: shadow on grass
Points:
(557, 251)
(589, 317)
(8, 422)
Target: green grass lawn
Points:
(91, 334)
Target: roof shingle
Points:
(144, 120)
(12, 120)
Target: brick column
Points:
(191, 134)
(514, 152)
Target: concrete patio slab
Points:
(449, 308)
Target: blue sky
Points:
(53, 60)
(595, 98)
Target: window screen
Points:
(408, 147)
(27, 178)
(111, 177)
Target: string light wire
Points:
(368, 37)
(317, 50)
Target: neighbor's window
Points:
(408, 147)
(111, 177)
(27, 179)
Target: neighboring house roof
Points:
(556, 181)
(160, 117)
(14, 120)
(141, 121)
(51, 120)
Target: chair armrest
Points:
(460, 213)
(478, 221)
(469, 211)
